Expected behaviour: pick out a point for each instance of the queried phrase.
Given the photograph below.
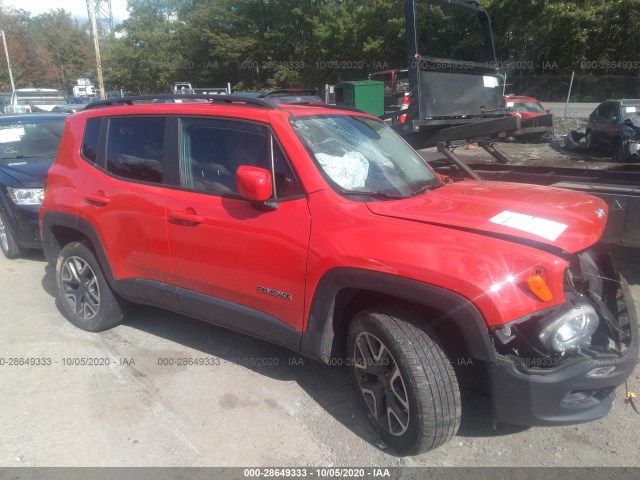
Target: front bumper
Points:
(551, 391)
(632, 148)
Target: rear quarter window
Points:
(91, 139)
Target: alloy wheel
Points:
(80, 287)
(381, 383)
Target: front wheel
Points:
(618, 150)
(86, 299)
(8, 244)
(405, 379)
(588, 140)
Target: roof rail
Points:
(212, 98)
(333, 107)
(290, 91)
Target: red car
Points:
(321, 230)
(536, 121)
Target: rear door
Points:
(235, 263)
(124, 200)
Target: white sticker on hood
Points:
(537, 226)
(490, 82)
(11, 135)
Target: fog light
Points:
(601, 371)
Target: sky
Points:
(78, 8)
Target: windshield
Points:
(631, 112)
(534, 107)
(28, 140)
(361, 155)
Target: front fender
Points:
(318, 338)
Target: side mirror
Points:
(548, 110)
(254, 183)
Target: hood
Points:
(29, 172)
(564, 219)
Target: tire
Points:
(8, 244)
(86, 299)
(618, 150)
(397, 363)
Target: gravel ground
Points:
(134, 412)
(548, 153)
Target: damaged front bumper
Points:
(633, 148)
(531, 386)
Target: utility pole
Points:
(101, 18)
(6, 52)
(96, 44)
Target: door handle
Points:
(186, 217)
(98, 198)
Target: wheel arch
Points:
(342, 292)
(59, 229)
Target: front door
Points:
(229, 256)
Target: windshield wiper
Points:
(424, 189)
(379, 195)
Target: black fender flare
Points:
(52, 248)
(317, 340)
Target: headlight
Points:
(26, 196)
(571, 329)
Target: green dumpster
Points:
(367, 95)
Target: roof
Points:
(625, 100)
(521, 97)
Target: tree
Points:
(46, 51)
(143, 57)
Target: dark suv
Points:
(321, 230)
(614, 126)
(28, 146)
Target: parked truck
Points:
(451, 78)
(84, 88)
(29, 100)
(455, 97)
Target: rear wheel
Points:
(618, 150)
(406, 381)
(85, 296)
(8, 244)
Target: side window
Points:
(604, 112)
(211, 151)
(91, 139)
(614, 114)
(135, 148)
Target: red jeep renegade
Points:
(319, 229)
